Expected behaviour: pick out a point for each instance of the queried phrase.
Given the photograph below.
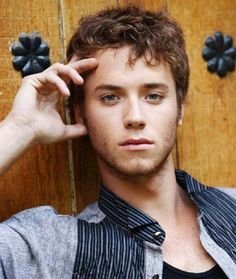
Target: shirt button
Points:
(157, 234)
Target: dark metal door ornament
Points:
(219, 54)
(31, 54)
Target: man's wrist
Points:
(15, 139)
(20, 130)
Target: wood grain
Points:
(41, 175)
(152, 5)
(207, 145)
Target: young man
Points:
(150, 221)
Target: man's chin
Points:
(130, 170)
(133, 167)
(136, 172)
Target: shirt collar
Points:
(136, 221)
(130, 218)
(188, 183)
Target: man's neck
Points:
(159, 195)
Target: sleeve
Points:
(38, 243)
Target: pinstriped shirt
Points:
(111, 239)
(117, 243)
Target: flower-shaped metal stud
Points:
(219, 54)
(31, 54)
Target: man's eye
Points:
(154, 97)
(110, 98)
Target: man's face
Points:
(131, 113)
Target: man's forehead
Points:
(127, 56)
(114, 71)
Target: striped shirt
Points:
(111, 239)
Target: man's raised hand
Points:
(34, 117)
(34, 108)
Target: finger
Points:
(68, 73)
(74, 59)
(75, 131)
(85, 65)
(54, 81)
(71, 71)
(74, 76)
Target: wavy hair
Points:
(152, 35)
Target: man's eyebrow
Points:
(154, 85)
(151, 85)
(108, 87)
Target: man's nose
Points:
(134, 116)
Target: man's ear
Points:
(181, 114)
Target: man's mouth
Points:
(136, 144)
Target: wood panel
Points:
(41, 176)
(152, 5)
(207, 141)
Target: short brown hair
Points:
(152, 35)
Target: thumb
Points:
(75, 131)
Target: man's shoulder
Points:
(41, 215)
(35, 222)
(229, 191)
(32, 213)
(219, 192)
(92, 214)
(46, 217)
(195, 187)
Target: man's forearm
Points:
(14, 141)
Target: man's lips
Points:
(136, 144)
(136, 141)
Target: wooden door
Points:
(65, 175)
(207, 139)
